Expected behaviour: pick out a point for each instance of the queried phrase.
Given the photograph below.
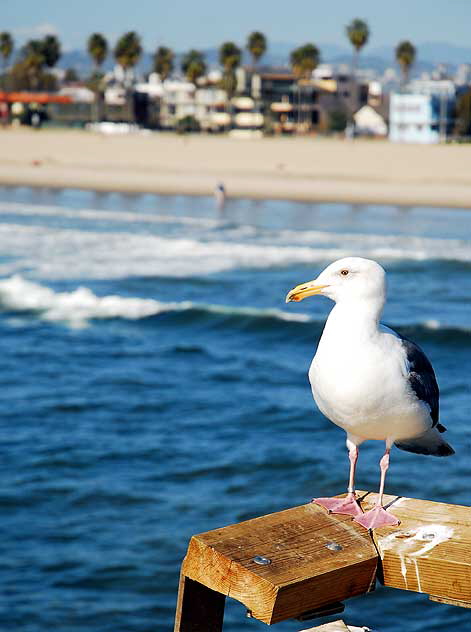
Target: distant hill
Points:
(428, 55)
(434, 53)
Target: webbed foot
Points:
(347, 505)
(377, 517)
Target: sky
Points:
(206, 23)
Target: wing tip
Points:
(429, 448)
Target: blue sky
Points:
(202, 23)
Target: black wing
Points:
(422, 379)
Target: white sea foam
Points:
(59, 253)
(81, 305)
(380, 246)
(90, 252)
(387, 246)
(432, 324)
(100, 215)
(16, 293)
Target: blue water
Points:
(154, 386)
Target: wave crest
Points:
(82, 305)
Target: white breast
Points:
(359, 383)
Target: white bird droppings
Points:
(432, 535)
(412, 544)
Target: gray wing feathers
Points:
(422, 378)
(423, 382)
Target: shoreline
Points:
(298, 169)
(385, 198)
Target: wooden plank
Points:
(337, 626)
(429, 552)
(315, 559)
(333, 626)
(199, 609)
(450, 602)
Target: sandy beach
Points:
(308, 169)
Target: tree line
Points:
(31, 71)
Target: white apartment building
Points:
(423, 114)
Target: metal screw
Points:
(333, 546)
(428, 536)
(260, 559)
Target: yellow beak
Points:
(302, 291)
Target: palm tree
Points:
(97, 47)
(229, 58)
(32, 62)
(51, 50)
(358, 33)
(45, 52)
(128, 50)
(193, 65)
(256, 45)
(405, 57)
(304, 60)
(163, 62)
(6, 48)
(28, 73)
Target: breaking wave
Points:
(81, 305)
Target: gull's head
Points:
(346, 280)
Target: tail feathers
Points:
(429, 443)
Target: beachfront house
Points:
(291, 105)
(424, 113)
(180, 100)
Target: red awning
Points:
(34, 97)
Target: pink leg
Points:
(347, 505)
(353, 456)
(383, 466)
(378, 516)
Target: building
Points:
(289, 104)
(423, 114)
(463, 75)
(368, 122)
(414, 118)
(30, 108)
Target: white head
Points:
(348, 280)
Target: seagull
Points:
(370, 380)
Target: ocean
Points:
(155, 386)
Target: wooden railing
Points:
(303, 562)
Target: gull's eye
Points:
(344, 272)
